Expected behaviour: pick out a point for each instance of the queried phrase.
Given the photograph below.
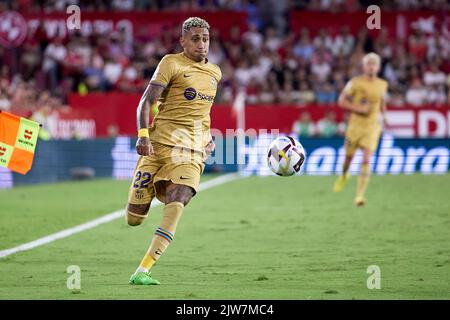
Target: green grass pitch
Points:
(252, 238)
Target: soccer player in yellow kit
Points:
(173, 149)
(364, 96)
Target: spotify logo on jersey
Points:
(190, 93)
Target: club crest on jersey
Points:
(190, 93)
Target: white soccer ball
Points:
(286, 156)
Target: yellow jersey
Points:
(361, 89)
(184, 107)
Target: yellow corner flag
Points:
(18, 138)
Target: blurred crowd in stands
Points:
(213, 5)
(327, 127)
(297, 68)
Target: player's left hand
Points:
(144, 146)
(210, 148)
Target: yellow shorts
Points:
(361, 139)
(166, 164)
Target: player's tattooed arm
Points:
(210, 147)
(345, 101)
(149, 98)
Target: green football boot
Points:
(143, 278)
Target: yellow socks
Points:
(345, 168)
(363, 181)
(147, 262)
(163, 235)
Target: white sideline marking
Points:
(104, 219)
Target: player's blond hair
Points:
(371, 56)
(194, 22)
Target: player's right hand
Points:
(144, 146)
(363, 108)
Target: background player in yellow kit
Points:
(173, 149)
(364, 96)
